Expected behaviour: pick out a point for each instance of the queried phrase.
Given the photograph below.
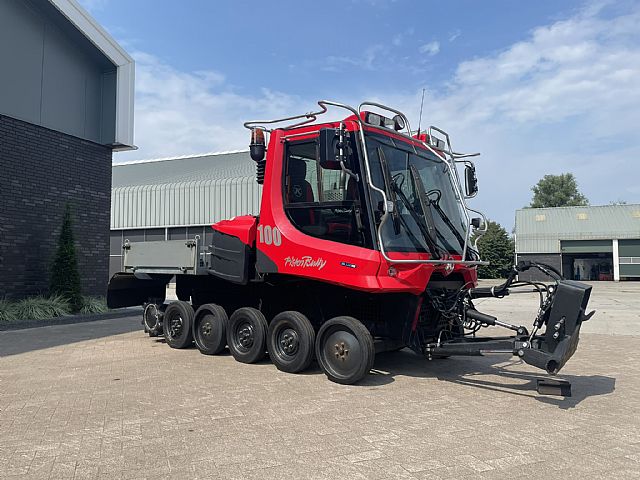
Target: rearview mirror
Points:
(328, 153)
(470, 181)
(334, 150)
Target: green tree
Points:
(498, 249)
(65, 278)
(557, 191)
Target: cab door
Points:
(313, 220)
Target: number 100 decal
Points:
(269, 235)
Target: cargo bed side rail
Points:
(175, 257)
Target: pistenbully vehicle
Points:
(363, 244)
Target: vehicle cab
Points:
(361, 203)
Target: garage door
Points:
(586, 246)
(629, 253)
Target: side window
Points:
(302, 173)
(321, 202)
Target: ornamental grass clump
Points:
(7, 311)
(93, 305)
(41, 308)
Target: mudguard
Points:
(129, 290)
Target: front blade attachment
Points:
(559, 342)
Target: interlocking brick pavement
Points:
(103, 400)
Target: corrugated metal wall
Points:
(184, 191)
(190, 203)
(540, 230)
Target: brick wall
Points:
(41, 170)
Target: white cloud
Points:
(180, 113)
(565, 98)
(431, 48)
(369, 60)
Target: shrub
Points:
(93, 305)
(7, 311)
(496, 247)
(41, 308)
(65, 278)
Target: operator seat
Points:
(299, 191)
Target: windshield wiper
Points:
(433, 247)
(446, 220)
(395, 192)
(387, 183)
(424, 206)
(425, 229)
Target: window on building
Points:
(193, 231)
(154, 234)
(177, 233)
(134, 235)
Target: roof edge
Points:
(578, 207)
(94, 32)
(179, 157)
(125, 84)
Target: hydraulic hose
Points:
(502, 290)
(496, 291)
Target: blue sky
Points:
(537, 87)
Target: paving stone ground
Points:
(103, 400)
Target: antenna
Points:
(421, 105)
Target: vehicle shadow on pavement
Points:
(488, 373)
(15, 342)
(525, 384)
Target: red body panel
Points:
(292, 252)
(302, 255)
(243, 227)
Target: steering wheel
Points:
(401, 176)
(437, 193)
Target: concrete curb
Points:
(69, 319)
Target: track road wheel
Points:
(290, 341)
(345, 350)
(210, 329)
(177, 324)
(151, 319)
(246, 335)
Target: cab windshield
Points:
(408, 228)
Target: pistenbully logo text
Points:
(305, 262)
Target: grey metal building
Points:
(179, 197)
(584, 243)
(66, 102)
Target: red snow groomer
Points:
(363, 244)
